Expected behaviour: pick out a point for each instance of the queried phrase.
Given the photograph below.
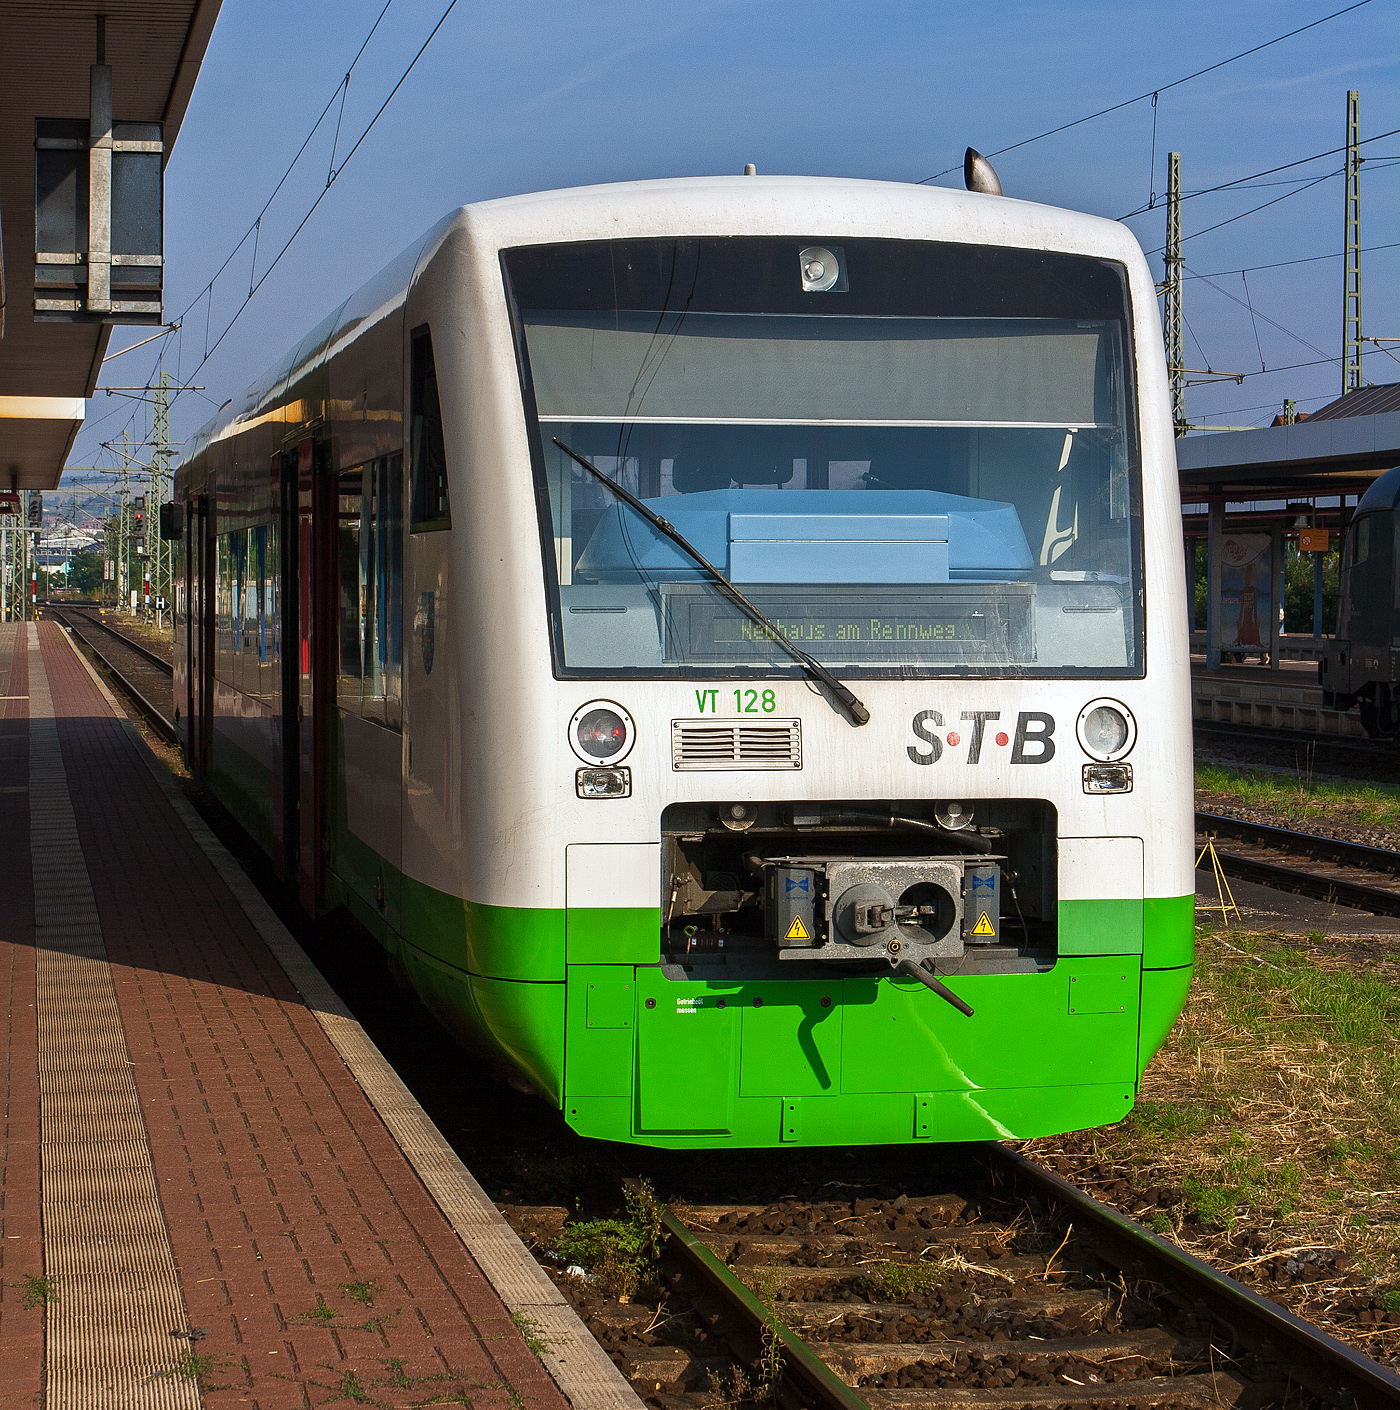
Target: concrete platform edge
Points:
(571, 1354)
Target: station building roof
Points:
(155, 48)
(1339, 449)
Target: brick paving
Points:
(21, 1328)
(312, 1258)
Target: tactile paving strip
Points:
(108, 1329)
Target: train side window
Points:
(428, 457)
(1362, 550)
(350, 668)
(389, 527)
(372, 586)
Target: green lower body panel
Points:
(519, 1021)
(824, 1062)
(1163, 997)
(632, 1056)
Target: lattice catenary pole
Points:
(1172, 314)
(1351, 289)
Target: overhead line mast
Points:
(1173, 317)
(1351, 288)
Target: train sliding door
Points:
(199, 632)
(307, 645)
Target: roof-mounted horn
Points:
(979, 174)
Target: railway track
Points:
(988, 1282)
(1345, 873)
(143, 675)
(1299, 751)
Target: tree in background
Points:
(1298, 590)
(85, 573)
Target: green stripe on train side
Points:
(1160, 929)
(501, 942)
(1101, 927)
(529, 943)
(1169, 932)
(750, 1063)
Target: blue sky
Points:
(519, 98)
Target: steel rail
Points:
(803, 1364)
(1280, 734)
(1328, 1367)
(1356, 895)
(152, 656)
(1352, 854)
(154, 717)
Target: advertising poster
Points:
(1246, 582)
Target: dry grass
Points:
(1267, 1134)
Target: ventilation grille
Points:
(738, 744)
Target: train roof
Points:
(788, 205)
(816, 206)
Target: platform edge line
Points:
(572, 1356)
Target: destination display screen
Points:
(824, 627)
(986, 624)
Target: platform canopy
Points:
(1338, 449)
(154, 48)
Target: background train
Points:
(1361, 664)
(726, 638)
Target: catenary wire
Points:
(207, 289)
(1270, 171)
(1160, 88)
(1253, 210)
(1273, 322)
(321, 195)
(1284, 263)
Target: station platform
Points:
(1286, 698)
(213, 1188)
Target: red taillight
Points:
(601, 733)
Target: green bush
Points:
(619, 1253)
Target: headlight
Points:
(604, 783)
(601, 731)
(1107, 730)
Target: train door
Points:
(286, 825)
(199, 626)
(309, 507)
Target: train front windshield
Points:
(916, 458)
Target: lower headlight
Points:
(604, 783)
(1108, 778)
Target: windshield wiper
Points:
(850, 705)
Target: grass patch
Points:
(363, 1293)
(535, 1338)
(1294, 801)
(1271, 1117)
(190, 1366)
(899, 1282)
(320, 1315)
(36, 1290)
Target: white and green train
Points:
(727, 639)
